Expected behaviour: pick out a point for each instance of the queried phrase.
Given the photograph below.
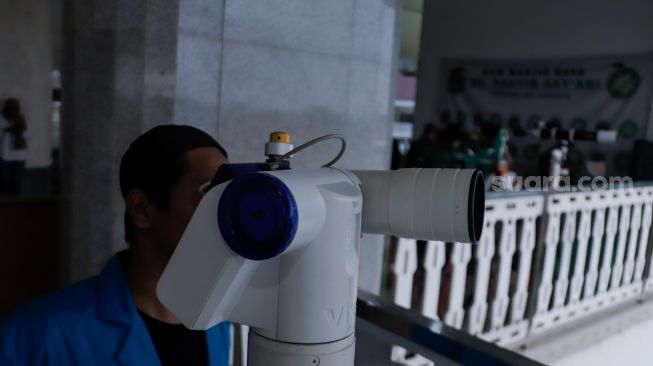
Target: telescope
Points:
(277, 248)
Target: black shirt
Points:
(175, 344)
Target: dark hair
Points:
(490, 131)
(11, 108)
(429, 128)
(453, 132)
(156, 161)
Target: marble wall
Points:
(25, 70)
(238, 69)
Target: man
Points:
(13, 148)
(424, 152)
(115, 318)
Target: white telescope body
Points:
(428, 204)
(278, 251)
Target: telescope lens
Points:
(476, 208)
(257, 216)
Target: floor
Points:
(633, 346)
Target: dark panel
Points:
(29, 250)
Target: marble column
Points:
(25, 70)
(119, 76)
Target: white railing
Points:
(543, 261)
(598, 241)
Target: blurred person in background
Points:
(457, 154)
(424, 152)
(492, 154)
(13, 148)
(494, 157)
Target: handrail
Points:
(544, 261)
(431, 338)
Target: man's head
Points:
(430, 132)
(160, 178)
(11, 109)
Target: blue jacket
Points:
(93, 322)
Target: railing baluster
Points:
(526, 246)
(643, 241)
(610, 233)
(484, 254)
(434, 259)
(459, 259)
(649, 279)
(546, 285)
(581, 256)
(403, 268)
(506, 251)
(598, 228)
(618, 267)
(629, 265)
(562, 283)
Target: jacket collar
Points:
(115, 305)
(115, 302)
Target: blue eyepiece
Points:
(257, 216)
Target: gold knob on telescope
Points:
(283, 137)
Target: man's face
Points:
(169, 224)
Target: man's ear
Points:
(139, 209)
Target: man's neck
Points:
(143, 269)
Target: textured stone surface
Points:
(323, 27)
(199, 64)
(118, 81)
(25, 70)
(238, 70)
